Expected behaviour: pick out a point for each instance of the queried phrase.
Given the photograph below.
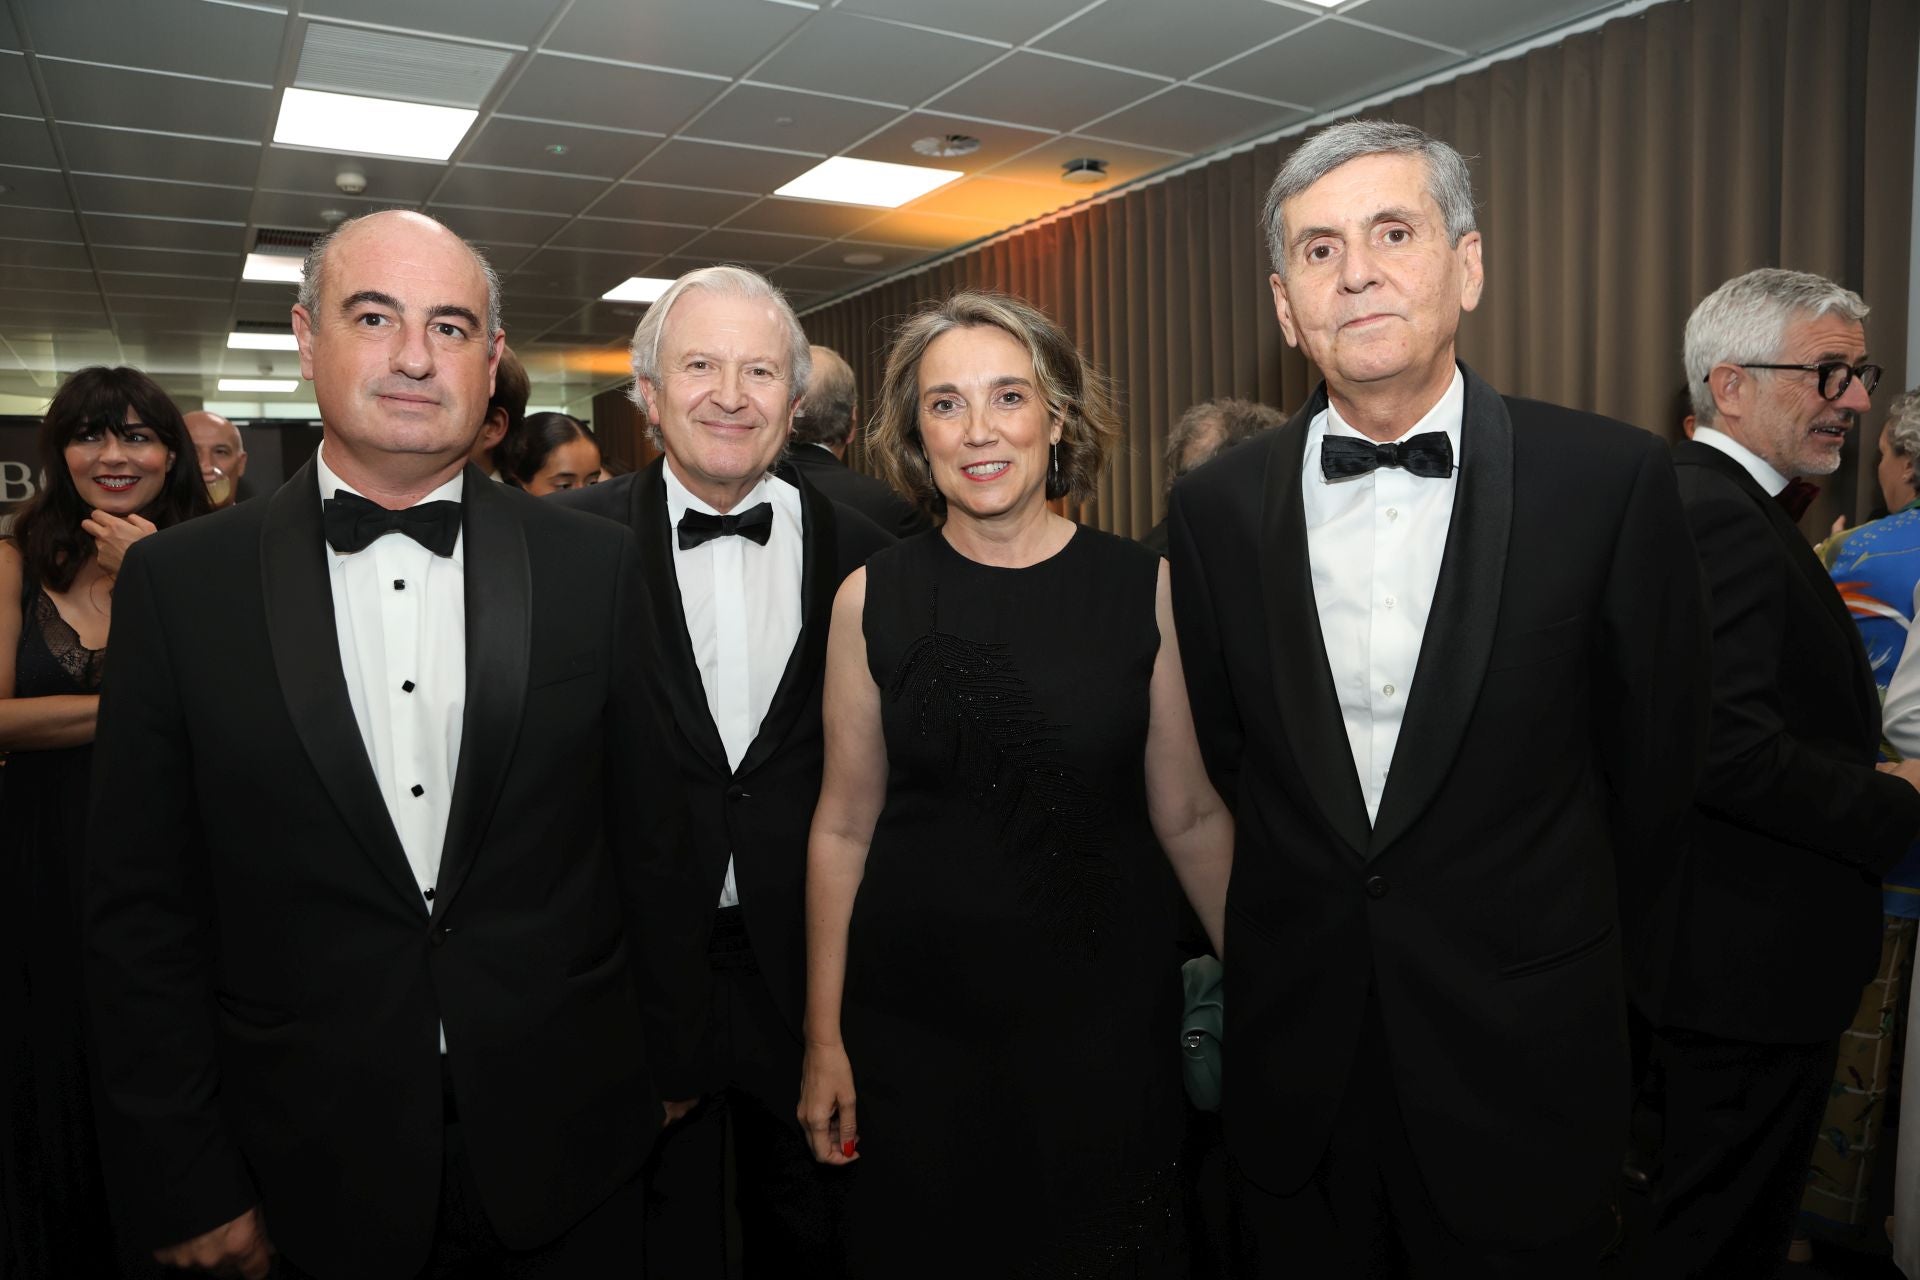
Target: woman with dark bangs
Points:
(116, 465)
(551, 453)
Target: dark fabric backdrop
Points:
(1620, 175)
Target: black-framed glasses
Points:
(1835, 375)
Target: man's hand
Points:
(237, 1248)
(113, 535)
(677, 1110)
(1909, 770)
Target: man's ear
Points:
(493, 429)
(1730, 385)
(1283, 310)
(303, 334)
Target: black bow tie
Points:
(1428, 454)
(352, 523)
(1796, 498)
(755, 524)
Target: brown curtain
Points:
(1621, 175)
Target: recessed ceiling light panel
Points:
(262, 342)
(259, 384)
(273, 268)
(370, 126)
(845, 180)
(637, 289)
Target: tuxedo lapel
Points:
(680, 672)
(1460, 626)
(498, 582)
(818, 583)
(1302, 678)
(298, 598)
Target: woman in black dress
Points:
(117, 464)
(1009, 748)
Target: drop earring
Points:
(1055, 449)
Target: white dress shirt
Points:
(1756, 466)
(400, 613)
(741, 603)
(1374, 544)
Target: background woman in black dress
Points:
(1009, 748)
(117, 464)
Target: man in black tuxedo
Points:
(382, 999)
(1426, 1064)
(741, 561)
(823, 427)
(1772, 926)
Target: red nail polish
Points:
(846, 1148)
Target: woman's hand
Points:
(112, 535)
(826, 1104)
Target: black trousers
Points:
(606, 1243)
(1366, 1211)
(790, 1207)
(1741, 1119)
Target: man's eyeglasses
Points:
(1835, 375)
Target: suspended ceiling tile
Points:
(273, 299)
(139, 154)
(718, 37)
(752, 247)
(502, 257)
(165, 233)
(39, 188)
(389, 181)
(53, 279)
(892, 257)
(146, 197)
(17, 97)
(499, 225)
(798, 280)
(34, 253)
(723, 168)
(1139, 33)
(894, 144)
(1329, 64)
(584, 151)
(63, 300)
(212, 266)
(25, 141)
(119, 284)
(804, 217)
(600, 93)
(1045, 164)
(510, 189)
(574, 273)
(1010, 20)
(1045, 92)
(1477, 26)
(161, 35)
(301, 211)
(640, 238)
(762, 117)
(163, 103)
(652, 202)
(925, 230)
(991, 199)
(895, 63)
(516, 23)
(39, 224)
(1191, 120)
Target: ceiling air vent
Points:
(385, 64)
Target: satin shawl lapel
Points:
(820, 553)
(679, 672)
(1302, 680)
(1460, 627)
(499, 589)
(1804, 559)
(306, 657)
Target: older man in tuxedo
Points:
(741, 558)
(1772, 927)
(381, 1001)
(1449, 693)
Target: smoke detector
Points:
(350, 182)
(1084, 171)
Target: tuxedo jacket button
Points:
(1376, 886)
(736, 792)
(438, 936)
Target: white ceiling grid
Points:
(615, 138)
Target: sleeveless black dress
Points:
(1012, 997)
(53, 1208)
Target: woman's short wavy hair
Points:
(1071, 388)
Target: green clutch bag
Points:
(1203, 979)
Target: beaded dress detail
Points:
(1012, 998)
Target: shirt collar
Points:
(681, 499)
(1756, 466)
(1446, 415)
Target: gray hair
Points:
(737, 282)
(1448, 181)
(315, 267)
(827, 415)
(1902, 427)
(1745, 320)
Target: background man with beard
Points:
(1770, 926)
